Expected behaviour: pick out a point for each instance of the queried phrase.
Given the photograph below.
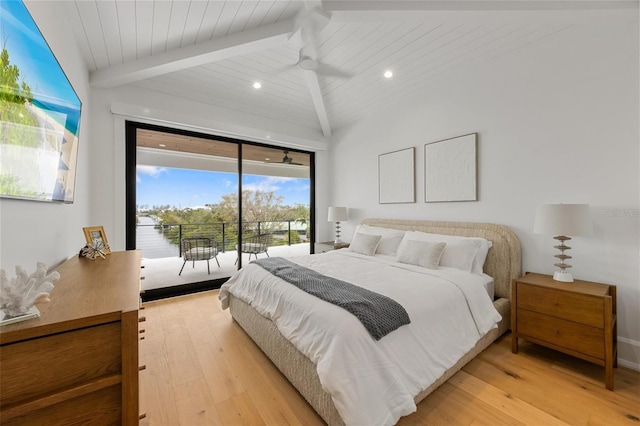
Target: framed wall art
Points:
(450, 169)
(396, 177)
(39, 114)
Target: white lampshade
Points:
(563, 219)
(337, 214)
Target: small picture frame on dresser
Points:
(97, 238)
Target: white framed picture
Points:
(396, 177)
(450, 169)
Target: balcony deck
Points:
(163, 272)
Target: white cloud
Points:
(150, 170)
(269, 184)
(153, 171)
(263, 186)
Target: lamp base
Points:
(563, 276)
(337, 240)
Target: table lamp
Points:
(337, 214)
(562, 220)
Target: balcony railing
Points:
(163, 239)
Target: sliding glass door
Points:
(245, 200)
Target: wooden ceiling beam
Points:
(257, 39)
(318, 102)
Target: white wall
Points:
(556, 123)
(32, 231)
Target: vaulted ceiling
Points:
(320, 63)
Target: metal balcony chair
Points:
(199, 248)
(256, 245)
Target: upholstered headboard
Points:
(503, 260)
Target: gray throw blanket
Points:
(379, 314)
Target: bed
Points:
(295, 361)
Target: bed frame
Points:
(502, 263)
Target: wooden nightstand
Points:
(577, 318)
(326, 246)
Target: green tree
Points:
(13, 96)
(259, 206)
(11, 88)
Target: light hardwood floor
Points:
(202, 369)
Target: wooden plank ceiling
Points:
(215, 148)
(214, 51)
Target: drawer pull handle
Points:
(142, 338)
(142, 319)
(141, 331)
(142, 416)
(142, 367)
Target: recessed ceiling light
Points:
(267, 159)
(388, 74)
(257, 85)
(161, 145)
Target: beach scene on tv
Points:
(39, 113)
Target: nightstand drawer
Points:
(566, 334)
(575, 307)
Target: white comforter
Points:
(374, 382)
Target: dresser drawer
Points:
(58, 361)
(102, 408)
(566, 334)
(576, 307)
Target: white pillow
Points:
(390, 241)
(422, 253)
(481, 256)
(466, 253)
(365, 244)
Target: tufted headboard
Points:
(503, 260)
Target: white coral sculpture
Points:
(19, 294)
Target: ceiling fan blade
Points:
(287, 68)
(286, 160)
(332, 71)
(285, 164)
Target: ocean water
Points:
(72, 114)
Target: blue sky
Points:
(28, 50)
(193, 188)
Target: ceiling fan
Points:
(306, 62)
(310, 21)
(285, 160)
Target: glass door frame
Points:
(131, 128)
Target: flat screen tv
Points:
(39, 113)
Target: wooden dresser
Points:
(78, 362)
(577, 318)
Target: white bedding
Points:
(374, 382)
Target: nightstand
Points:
(326, 246)
(577, 318)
